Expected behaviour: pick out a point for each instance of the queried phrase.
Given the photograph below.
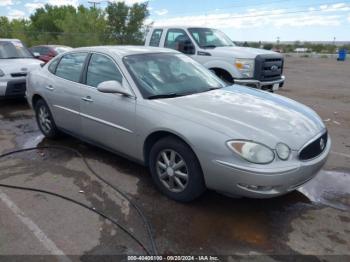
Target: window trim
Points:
(160, 37)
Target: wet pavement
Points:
(314, 220)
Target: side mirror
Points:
(113, 87)
(36, 54)
(186, 47)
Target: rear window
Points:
(155, 38)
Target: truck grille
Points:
(268, 67)
(315, 148)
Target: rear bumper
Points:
(13, 88)
(259, 84)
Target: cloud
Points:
(256, 18)
(349, 18)
(335, 7)
(32, 6)
(6, 2)
(16, 14)
(161, 12)
(130, 2)
(63, 2)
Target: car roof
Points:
(122, 51)
(10, 39)
(178, 27)
(51, 46)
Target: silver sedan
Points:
(166, 111)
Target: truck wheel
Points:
(223, 75)
(45, 120)
(175, 170)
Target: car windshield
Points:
(210, 38)
(13, 50)
(62, 49)
(163, 75)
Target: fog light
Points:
(283, 151)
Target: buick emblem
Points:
(274, 68)
(322, 144)
(24, 69)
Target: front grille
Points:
(268, 67)
(18, 74)
(315, 148)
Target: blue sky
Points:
(250, 20)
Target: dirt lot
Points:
(313, 221)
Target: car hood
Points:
(240, 52)
(9, 66)
(247, 113)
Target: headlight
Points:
(252, 152)
(1, 73)
(245, 66)
(283, 151)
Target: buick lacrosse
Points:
(166, 111)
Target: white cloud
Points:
(130, 2)
(349, 18)
(254, 18)
(32, 6)
(161, 12)
(63, 2)
(335, 7)
(16, 14)
(6, 2)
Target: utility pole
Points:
(94, 3)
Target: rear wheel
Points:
(45, 120)
(175, 170)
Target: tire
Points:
(45, 120)
(166, 176)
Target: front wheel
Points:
(45, 120)
(175, 170)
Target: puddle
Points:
(329, 188)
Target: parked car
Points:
(212, 48)
(15, 63)
(163, 109)
(47, 52)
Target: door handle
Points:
(50, 87)
(87, 99)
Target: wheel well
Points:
(152, 139)
(223, 74)
(35, 99)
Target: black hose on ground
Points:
(120, 192)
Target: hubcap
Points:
(44, 119)
(172, 170)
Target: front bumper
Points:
(265, 182)
(13, 88)
(261, 84)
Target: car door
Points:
(64, 90)
(107, 119)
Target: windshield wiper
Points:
(163, 96)
(15, 57)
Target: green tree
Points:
(125, 23)
(85, 27)
(5, 27)
(44, 22)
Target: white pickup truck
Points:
(241, 65)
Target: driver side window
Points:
(179, 40)
(101, 69)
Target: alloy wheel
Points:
(172, 170)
